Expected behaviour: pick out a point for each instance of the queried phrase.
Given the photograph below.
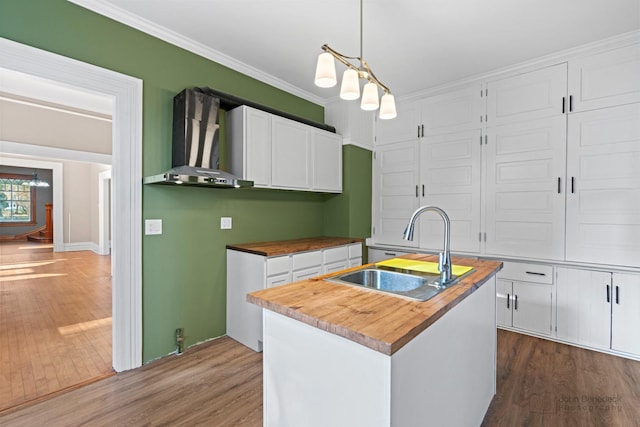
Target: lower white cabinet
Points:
(248, 272)
(599, 309)
(524, 297)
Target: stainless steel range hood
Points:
(195, 150)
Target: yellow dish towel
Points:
(423, 266)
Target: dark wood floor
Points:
(540, 383)
(55, 320)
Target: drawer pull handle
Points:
(390, 253)
(508, 298)
(535, 273)
(608, 298)
(617, 294)
(515, 303)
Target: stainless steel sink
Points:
(416, 285)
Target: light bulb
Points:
(370, 97)
(387, 107)
(350, 88)
(326, 70)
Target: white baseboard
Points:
(83, 246)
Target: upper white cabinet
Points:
(525, 189)
(405, 127)
(454, 111)
(290, 154)
(529, 96)
(605, 79)
(603, 178)
(279, 153)
(395, 191)
(326, 166)
(450, 179)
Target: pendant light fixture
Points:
(350, 87)
(35, 182)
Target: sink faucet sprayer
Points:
(444, 257)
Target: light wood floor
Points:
(220, 384)
(55, 320)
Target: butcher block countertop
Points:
(380, 321)
(283, 247)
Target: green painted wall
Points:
(184, 270)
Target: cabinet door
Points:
(529, 96)
(504, 292)
(395, 191)
(402, 128)
(584, 306)
(291, 154)
(258, 147)
(326, 161)
(454, 111)
(525, 204)
(625, 313)
(532, 305)
(450, 179)
(605, 79)
(603, 198)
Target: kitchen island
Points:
(344, 355)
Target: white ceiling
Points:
(411, 45)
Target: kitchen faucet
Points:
(444, 257)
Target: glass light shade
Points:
(350, 88)
(326, 70)
(387, 107)
(370, 97)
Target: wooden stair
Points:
(44, 235)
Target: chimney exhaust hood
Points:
(195, 143)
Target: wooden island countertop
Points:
(378, 320)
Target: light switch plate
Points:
(226, 223)
(152, 226)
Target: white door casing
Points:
(127, 180)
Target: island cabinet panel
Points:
(248, 272)
(446, 376)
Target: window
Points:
(17, 200)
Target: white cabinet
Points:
(599, 309)
(250, 151)
(279, 153)
(524, 297)
(625, 313)
(248, 272)
(529, 96)
(525, 189)
(605, 79)
(450, 179)
(290, 154)
(454, 111)
(395, 191)
(379, 254)
(603, 195)
(354, 124)
(405, 127)
(326, 166)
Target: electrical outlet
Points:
(152, 226)
(226, 223)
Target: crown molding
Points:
(169, 36)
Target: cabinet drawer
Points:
(526, 272)
(306, 260)
(278, 280)
(332, 255)
(355, 250)
(336, 266)
(278, 265)
(307, 273)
